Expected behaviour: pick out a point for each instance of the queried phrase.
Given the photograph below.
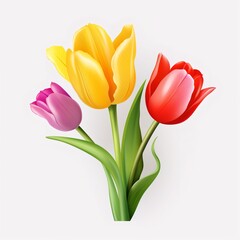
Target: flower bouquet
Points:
(102, 73)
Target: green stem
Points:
(141, 148)
(115, 132)
(83, 134)
(110, 181)
(122, 191)
(124, 212)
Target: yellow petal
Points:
(123, 67)
(95, 41)
(124, 34)
(88, 80)
(73, 77)
(57, 55)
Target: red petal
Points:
(160, 70)
(198, 82)
(171, 98)
(183, 65)
(190, 110)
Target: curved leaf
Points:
(113, 195)
(132, 139)
(96, 151)
(139, 188)
(107, 161)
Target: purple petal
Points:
(42, 95)
(66, 111)
(44, 114)
(33, 103)
(47, 91)
(58, 89)
(43, 105)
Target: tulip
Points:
(58, 108)
(173, 94)
(100, 70)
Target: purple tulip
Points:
(58, 108)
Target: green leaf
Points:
(109, 165)
(113, 196)
(132, 138)
(96, 151)
(139, 188)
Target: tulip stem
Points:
(141, 148)
(115, 132)
(124, 211)
(83, 134)
(124, 214)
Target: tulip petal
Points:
(58, 89)
(73, 77)
(41, 96)
(66, 111)
(198, 82)
(161, 69)
(124, 75)
(172, 96)
(88, 79)
(57, 55)
(44, 114)
(47, 91)
(190, 110)
(183, 65)
(123, 35)
(95, 41)
(43, 105)
(196, 75)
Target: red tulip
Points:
(173, 94)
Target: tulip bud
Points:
(58, 108)
(101, 71)
(172, 95)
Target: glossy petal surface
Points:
(123, 67)
(198, 83)
(58, 89)
(161, 69)
(174, 98)
(183, 65)
(123, 35)
(65, 110)
(171, 97)
(41, 96)
(95, 41)
(44, 114)
(57, 55)
(88, 79)
(43, 105)
(58, 108)
(191, 109)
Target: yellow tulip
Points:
(100, 70)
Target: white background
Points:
(49, 190)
